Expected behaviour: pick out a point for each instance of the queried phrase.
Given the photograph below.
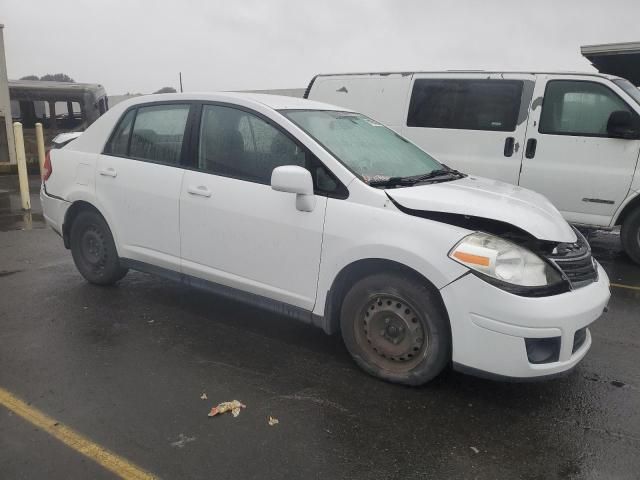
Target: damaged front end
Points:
(514, 260)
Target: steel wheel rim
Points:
(93, 249)
(392, 332)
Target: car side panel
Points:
(73, 171)
(141, 204)
(356, 231)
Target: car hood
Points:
(490, 199)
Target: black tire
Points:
(630, 235)
(396, 328)
(93, 249)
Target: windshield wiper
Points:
(446, 172)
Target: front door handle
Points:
(509, 143)
(530, 151)
(200, 191)
(109, 172)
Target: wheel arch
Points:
(358, 270)
(631, 206)
(72, 213)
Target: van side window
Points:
(465, 104)
(120, 139)
(158, 132)
(68, 115)
(578, 108)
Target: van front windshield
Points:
(367, 148)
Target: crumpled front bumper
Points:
(489, 326)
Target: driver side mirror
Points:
(295, 179)
(623, 124)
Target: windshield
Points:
(629, 89)
(367, 148)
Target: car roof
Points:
(276, 102)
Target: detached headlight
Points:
(504, 261)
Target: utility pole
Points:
(7, 144)
(180, 74)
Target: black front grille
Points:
(578, 339)
(579, 272)
(575, 262)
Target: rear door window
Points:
(465, 104)
(578, 108)
(158, 132)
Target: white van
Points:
(574, 137)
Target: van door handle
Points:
(530, 151)
(200, 191)
(509, 143)
(109, 172)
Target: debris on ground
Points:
(182, 441)
(234, 407)
(273, 421)
(475, 450)
(204, 396)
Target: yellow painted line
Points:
(72, 439)
(628, 287)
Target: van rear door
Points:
(571, 158)
(380, 96)
(474, 122)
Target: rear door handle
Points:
(108, 172)
(530, 151)
(509, 143)
(200, 190)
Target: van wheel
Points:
(396, 328)
(94, 251)
(630, 235)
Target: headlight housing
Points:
(506, 264)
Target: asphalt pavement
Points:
(126, 368)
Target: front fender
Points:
(355, 232)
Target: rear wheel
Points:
(93, 249)
(396, 328)
(630, 235)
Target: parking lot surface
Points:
(126, 368)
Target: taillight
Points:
(47, 169)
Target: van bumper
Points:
(54, 209)
(489, 327)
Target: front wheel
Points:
(630, 235)
(396, 328)
(94, 251)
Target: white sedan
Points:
(325, 215)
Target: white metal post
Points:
(40, 145)
(21, 159)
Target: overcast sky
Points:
(135, 46)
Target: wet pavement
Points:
(126, 367)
